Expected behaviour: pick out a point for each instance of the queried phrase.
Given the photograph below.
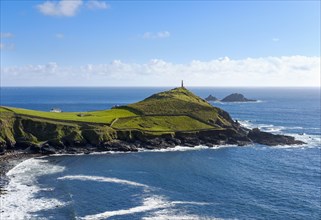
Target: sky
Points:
(159, 43)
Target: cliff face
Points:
(167, 119)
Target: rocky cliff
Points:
(167, 119)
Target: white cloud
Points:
(151, 35)
(267, 71)
(61, 8)
(95, 4)
(69, 8)
(59, 36)
(275, 39)
(6, 35)
(7, 46)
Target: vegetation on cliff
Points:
(164, 120)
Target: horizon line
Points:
(160, 86)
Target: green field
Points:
(105, 116)
(166, 112)
(160, 123)
(176, 110)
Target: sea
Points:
(222, 182)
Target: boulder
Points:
(269, 139)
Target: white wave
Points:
(176, 148)
(270, 127)
(231, 103)
(102, 179)
(191, 203)
(165, 215)
(155, 205)
(149, 203)
(19, 201)
(247, 124)
(163, 209)
(171, 149)
(264, 127)
(184, 148)
(310, 140)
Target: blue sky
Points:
(117, 40)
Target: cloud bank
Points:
(6, 45)
(6, 35)
(268, 71)
(95, 4)
(59, 36)
(69, 8)
(158, 35)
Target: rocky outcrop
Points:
(236, 97)
(211, 98)
(48, 136)
(269, 139)
(136, 140)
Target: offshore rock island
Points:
(163, 120)
(234, 97)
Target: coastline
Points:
(8, 161)
(210, 138)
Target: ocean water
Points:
(230, 182)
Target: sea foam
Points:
(19, 202)
(101, 179)
(311, 140)
(156, 206)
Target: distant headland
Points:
(163, 120)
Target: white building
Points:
(55, 110)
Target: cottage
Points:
(56, 110)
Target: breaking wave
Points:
(311, 140)
(20, 201)
(155, 206)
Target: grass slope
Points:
(161, 123)
(166, 112)
(180, 101)
(105, 116)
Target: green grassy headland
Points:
(166, 112)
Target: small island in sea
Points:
(234, 97)
(211, 98)
(163, 120)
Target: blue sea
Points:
(230, 182)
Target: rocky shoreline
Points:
(167, 119)
(138, 140)
(210, 138)
(10, 160)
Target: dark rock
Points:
(34, 149)
(176, 141)
(47, 149)
(2, 151)
(211, 98)
(118, 145)
(269, 139)
(23, 145)
(56, 144)
(236, 97)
